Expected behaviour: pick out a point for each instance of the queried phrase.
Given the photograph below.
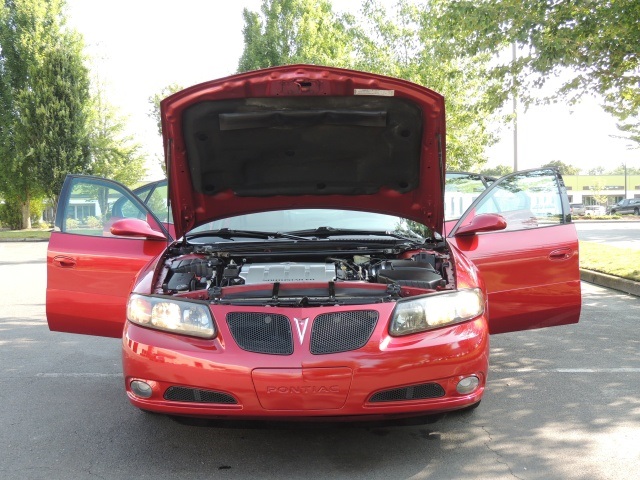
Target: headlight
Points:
(434, 311)
(175, 316)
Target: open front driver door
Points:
(530, 268)
(90, 270)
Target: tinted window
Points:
(461, 189)
(93, 206)
(527, 200)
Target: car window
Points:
(526, 200)
(157, 203)
(461, 189)
(154, 196)
(92, 206)
(143, 192)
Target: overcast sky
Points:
(140, 46)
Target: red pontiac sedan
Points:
(313, 273)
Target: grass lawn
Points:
(20, 234)
(620, 262)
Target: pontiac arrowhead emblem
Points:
(301, 327)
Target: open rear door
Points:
(90, 271)
(531, 267)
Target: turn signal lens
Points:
(166, 313)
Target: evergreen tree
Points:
(43, 101)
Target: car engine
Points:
(209, 276)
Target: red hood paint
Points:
(303, 136)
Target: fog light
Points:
(141, 389)
(467, 384)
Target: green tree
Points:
(296, 31)
(596, 171)
(55, 112)
(43, 96)
(114, 154)
(154, 112)
(405, 42)
(619, 170)
(599, 195)
(497, 171)
(154, 102)
(563, 168)
(591, 44)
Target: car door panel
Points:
(530, 271)
(90, 273)
(528, 286)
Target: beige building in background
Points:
(601, 189)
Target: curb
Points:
(609, 281)
(578, 221)
(21, 240)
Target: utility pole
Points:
(625, 179)
(515, 110)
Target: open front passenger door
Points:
(104, 235)
(530, 267)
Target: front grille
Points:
(184, 394)
(261, 332)
(414, 392)
(342, 331)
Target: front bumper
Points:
(389, 377)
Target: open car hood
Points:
(303, 136)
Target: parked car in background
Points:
(305, 270)
(628, 205)
(577, 209)
(594, 210)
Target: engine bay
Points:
(304, 278)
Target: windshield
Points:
(300, 220)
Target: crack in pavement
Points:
(499, 457)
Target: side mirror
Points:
(486, 222)
(133, 227)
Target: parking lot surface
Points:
(622, 234)
(562, 403)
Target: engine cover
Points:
(287, 272)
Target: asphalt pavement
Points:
(562, 403)
(616, 233)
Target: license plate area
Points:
(302, 388)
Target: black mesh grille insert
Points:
(184, 394)
(261, 332)
(342, 331)
(414, 392)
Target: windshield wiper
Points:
(228, 233)
(325, 232)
